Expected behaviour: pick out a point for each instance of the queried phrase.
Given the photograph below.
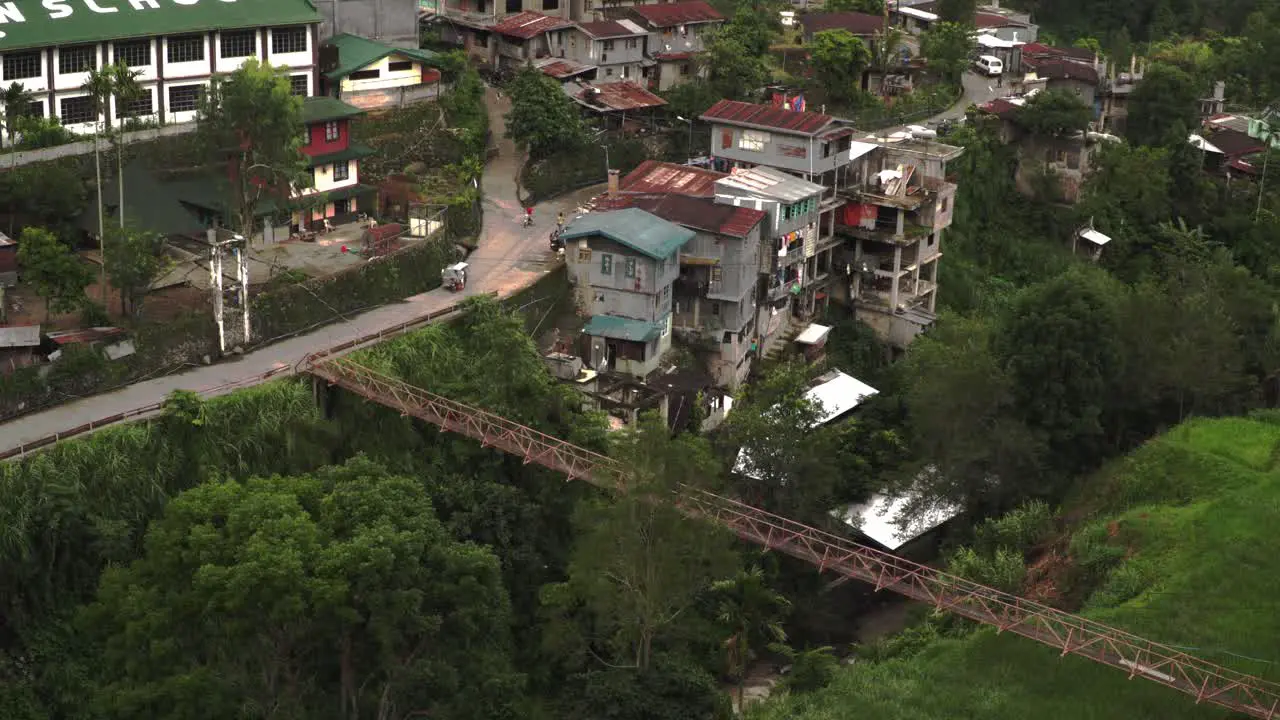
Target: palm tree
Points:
(750, 610)
(98, 85)
(125, 87)
(17, 104)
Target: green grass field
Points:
(1179, 545)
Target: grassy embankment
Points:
(1178, 543)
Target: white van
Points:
(989, 65)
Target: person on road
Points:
(560, 220)
(528, 216)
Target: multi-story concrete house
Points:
(615, 47)
(336, 193)
(623, 264)
(504, 41)
(175, 48)
(900, 201)
(394, 22)
(796, 255)
(371, 74)
(714, 305)
(678, 32)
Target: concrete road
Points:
(508, 259)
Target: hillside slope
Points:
(1180, 546)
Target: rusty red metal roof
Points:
(529, 24)
(85, 335)
(698, 213)
(561, 68)
(609, 29)
(616, 96)
(1061, 69)
(680, 13)
(653, 176)
(674, 56)
(999, 107)
(767, 116)
(855, 22)
(1036, 49)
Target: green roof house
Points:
(373, 75)
(623, 264)
(175, 48)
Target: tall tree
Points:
(946, 47)
(56, 271)
(251, 120)
(336, 595)
(961, 12)
(735, 73)
(752, 614)
(838, 57)
(1163, 107)
(17, 105)
(1062, 347)
(98, 85)
(135, 259)
(542, 119)
(639, 563)
(126, 90)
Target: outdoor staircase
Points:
(781, 341)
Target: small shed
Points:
(18, 346)
(379, 240)
(813, 341)
(8, 261)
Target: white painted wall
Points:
(386, 77)
(325, 181)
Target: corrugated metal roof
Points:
(618, 96)
(85, 335)
(995, 20)
(20, 336)
(641, 231)
(653, 176)
(4, 240)
(699, 213)
(355, 53)
(529, 24)
(681, 13)
(610, 29)
(561, 68)
(673, 56)
(854, 22)
(767, 116)
(620, 328)
(770, 183)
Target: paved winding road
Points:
(508, 259)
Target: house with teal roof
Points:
(623, 265)
(373, 75)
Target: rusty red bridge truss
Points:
(1068, 633)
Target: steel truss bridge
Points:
(1071, 634)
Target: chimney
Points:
(613, 182)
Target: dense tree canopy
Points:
(542, 119)
(839, 57)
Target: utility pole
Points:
(224, 243)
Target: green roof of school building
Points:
(356, 53)
(634, 228)
(620, 328)
(323, 108)
(31, 24)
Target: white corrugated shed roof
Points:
(20, 336)
(1095, 237)
(858, 149)
(837, 395)
(813, 334)
(919, 14)
(771, 183)
(879, 519)
(991, 41)
(1202, 144)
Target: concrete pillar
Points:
(897, 268)
(901, 218)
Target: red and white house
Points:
(336, 192)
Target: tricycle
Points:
(454, 277)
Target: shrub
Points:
(1003, 569)
(1018, 530)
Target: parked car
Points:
(989, 65)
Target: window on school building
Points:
(134, 53)
(22, 65)
(77, 59)
(288, 40)
(140, 106)
(184, 98)
(75, 110)
(238, 43)
(299, 85)
(184, 48)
